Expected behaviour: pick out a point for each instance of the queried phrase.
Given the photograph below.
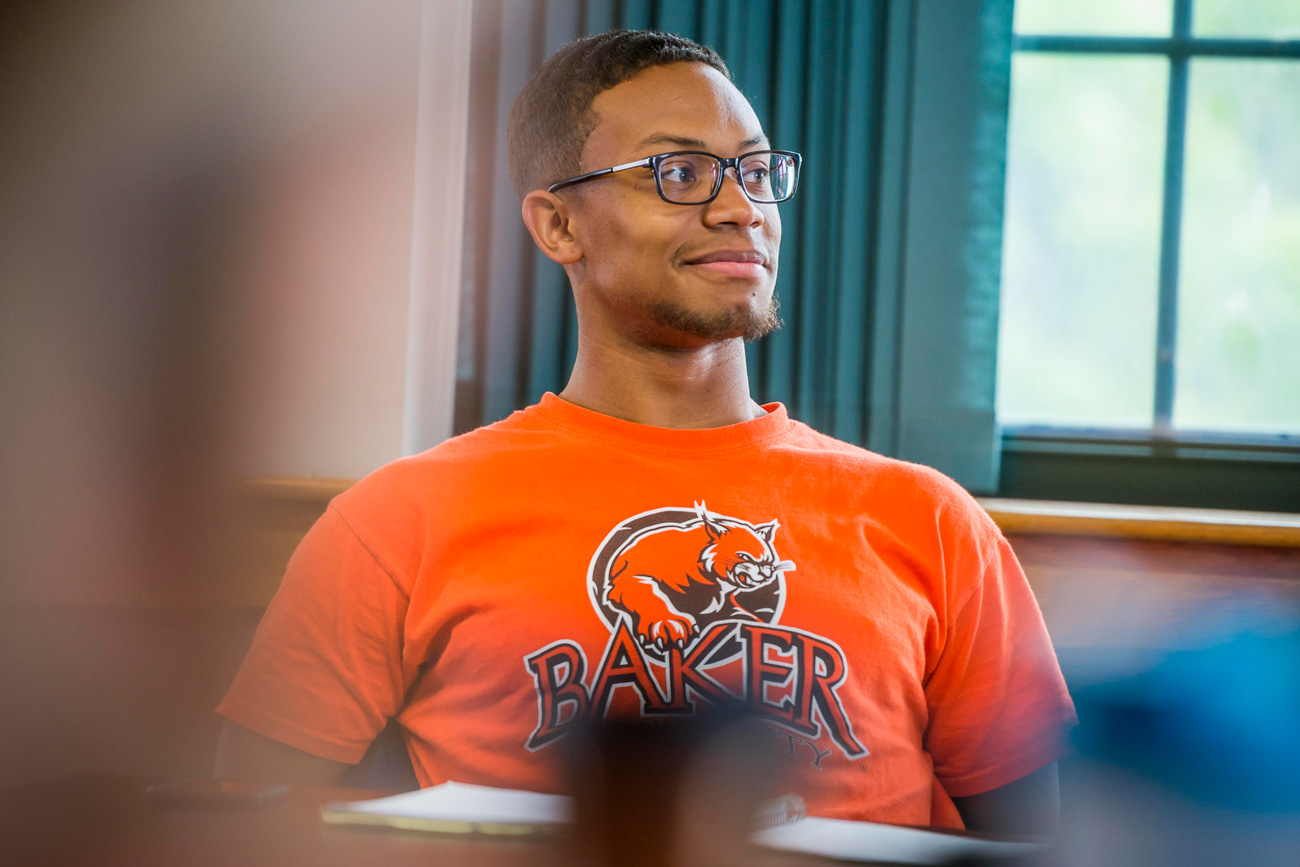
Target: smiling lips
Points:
(731, 263)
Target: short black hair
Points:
(551, 119)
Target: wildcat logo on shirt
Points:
(692, 600)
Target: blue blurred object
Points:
(1220, 724)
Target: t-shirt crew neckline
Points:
(617, 431)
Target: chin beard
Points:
(739, 322)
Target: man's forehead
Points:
(688, 106)
(659, 140)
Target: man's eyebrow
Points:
(686, 142)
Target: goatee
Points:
(739, 322)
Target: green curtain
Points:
(946, 372)
(890, 254)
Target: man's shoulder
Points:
(887, 475)
(417, 483)
(916, 501)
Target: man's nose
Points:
(731, 205)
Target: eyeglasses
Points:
(695, 177)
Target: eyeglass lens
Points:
(690, 179)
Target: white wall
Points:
(322, 353)
(354, 262)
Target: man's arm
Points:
(247, 757)
(1029, 805)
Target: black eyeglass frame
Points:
(654, 162)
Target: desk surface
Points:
(106, 820)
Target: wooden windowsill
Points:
(1157, 523)
(294, 489)
(1015, 517)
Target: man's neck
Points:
(700, 387)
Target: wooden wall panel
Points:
(1125, 593)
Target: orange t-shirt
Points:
(563, 564)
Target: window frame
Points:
(1160, 465)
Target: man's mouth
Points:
(731, 263)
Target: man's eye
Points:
(678, 174)
(757, 176)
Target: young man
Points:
(652, 539)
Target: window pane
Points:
(1259, 19)
(1081, 241)
(1095, 17)
(1238, 360)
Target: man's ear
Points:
(547, 217)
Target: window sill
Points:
(294, 489)
(1159, 523)
(1014, 516)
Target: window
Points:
(1149, 345)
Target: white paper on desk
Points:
(463, 802)
(868, 841)
(835, 838)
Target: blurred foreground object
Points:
(1194, 761)
(681, 792)
(205, 246)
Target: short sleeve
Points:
(998, 704)
(325, 669)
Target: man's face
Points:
(675, 275)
